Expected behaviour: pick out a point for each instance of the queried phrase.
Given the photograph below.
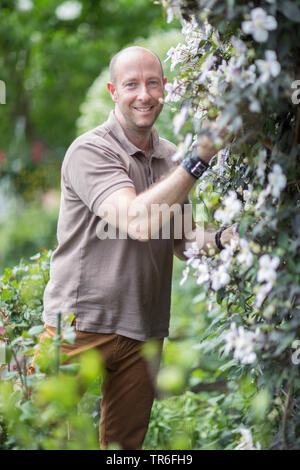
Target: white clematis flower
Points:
(185, 274)
(202, 273)
(205, 68)
(261, 165)
(175, 90)
(24, 5)
(242, 343)
(261, 292)
(177, 55)
(247, 196)
(245, 256)
(277, 180)
(267, 268)
(247, 442)
(172, 10)
(180, 119)
(192, 251)
(268, 68)
(68, 10)
(231, 207)
(182, 148)
(219, 278)
(259, 25)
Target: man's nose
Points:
(144, 94)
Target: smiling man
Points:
(119, 288)
(137, 85)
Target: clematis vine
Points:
(243, 69)
(175, 90)
(177, 55)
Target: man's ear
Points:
(113, 92)
(165, 81)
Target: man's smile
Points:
(143, 109)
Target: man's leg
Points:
(128, 388)
(128, 392)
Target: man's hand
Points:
(229, 234)
(206, 147)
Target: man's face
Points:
(138, 87)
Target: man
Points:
(119, 287)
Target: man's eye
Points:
(130, 85)
(153, 83)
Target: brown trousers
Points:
(128, 387)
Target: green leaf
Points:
(244, 224)
(8, 354)
(228, 365)
(200, 212)
(290, 11)
(36, 330)
(220, 295)
(6, 294)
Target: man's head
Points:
(136, 85)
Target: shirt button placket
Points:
(150, 173)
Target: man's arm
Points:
(206, 241)
(134, 215)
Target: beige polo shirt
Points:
(118, 285)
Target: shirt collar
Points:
(116, 130)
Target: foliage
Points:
(41, 410)
(240, 62)
(193, 410)
(22, 289)
(48, 59)
(204, 421)
(28, 227)
(98, 103)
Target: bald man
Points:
(109, 268)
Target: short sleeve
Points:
(94, 173)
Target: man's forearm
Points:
(173, 189)
(170, 192)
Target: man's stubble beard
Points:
(140, 126)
